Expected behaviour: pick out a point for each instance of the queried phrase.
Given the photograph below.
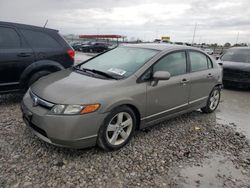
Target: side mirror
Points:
(160, 75)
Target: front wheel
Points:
(117, 129)
(212, 101)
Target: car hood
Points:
(69, 87)
(236, 65)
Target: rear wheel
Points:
(36, 76)
(213, 101)
(118, 128)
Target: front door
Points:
(169, 96)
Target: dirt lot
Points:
(194, 150)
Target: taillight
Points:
(71, 53)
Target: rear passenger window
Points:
(39, 39)
(9, 38)
(199, 61)
(174, 63)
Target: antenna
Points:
(45, 23)
(194, 33)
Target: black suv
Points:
(28, 52)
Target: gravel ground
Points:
(182, 152)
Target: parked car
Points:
(78, 45)
(209, 51)
(28, 52)
(94, 47)
(236, 67)
(105, 99)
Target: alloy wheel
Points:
(119, 128)
(214, 99)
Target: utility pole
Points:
(194, 33)
(237, 38)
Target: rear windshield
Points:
(237, 55)
(121, 61)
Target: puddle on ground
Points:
(217, 171)
(234, 110)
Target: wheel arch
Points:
(131, 106)
(41, 65)
(219, 85)
(137, 115)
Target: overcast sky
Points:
(217, 20)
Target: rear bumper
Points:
(77, 131)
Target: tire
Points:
(212, 101)
(115, 133)
(36, 76)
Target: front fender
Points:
(119, 102)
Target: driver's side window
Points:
(175, 63)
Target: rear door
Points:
(169, 96)
(44, 45)
(15, 56)
(202, 78)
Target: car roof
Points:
(25, 26)
(160, 46)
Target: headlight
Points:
(74, 109)
(58, 109)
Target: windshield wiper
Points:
(96, 72)
(101, 73)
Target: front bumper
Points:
(73, 131)
(236, 78)
(236, 82)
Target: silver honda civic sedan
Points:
(105, 99)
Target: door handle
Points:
(209, 75)
(184, 81)
(23, 54)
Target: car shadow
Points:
(12, 98)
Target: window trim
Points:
(140, 80)
(207, 57)
(211, 63)
(19, 36)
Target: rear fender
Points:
(38, 66)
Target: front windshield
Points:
(237, 55)
(121, 61)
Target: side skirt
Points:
(145, 124)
